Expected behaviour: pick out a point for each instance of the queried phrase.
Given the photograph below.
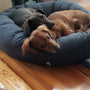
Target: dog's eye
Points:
(43, 46)
(48, 37)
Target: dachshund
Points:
(34, 21)
(29, 19)
(66, 22)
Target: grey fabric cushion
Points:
(74, 47)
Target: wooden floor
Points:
(17, 75)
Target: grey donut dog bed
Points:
(74, 47)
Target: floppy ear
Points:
(31, 49)
(32, 25)
(42, 12)
(26, 46)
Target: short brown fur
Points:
(66, 22)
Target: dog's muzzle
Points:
(57, 48)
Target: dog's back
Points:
(72, 19)
(20, 15)
(69, 15)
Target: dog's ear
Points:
(31, 49)
(31, 25)
(30, 22)
(41, 11)
(27, 47)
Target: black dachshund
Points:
(29, 19)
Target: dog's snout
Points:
(57, 48)
(53, 24)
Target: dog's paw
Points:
(68, 32)
(71, 31)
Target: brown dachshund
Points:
(66, 22)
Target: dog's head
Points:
(35, 20)
(40, 40)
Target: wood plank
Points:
(83, 69)
(32, 82)
(10, 80)
(64, 78)
(41, 75)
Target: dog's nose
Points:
(57, 48)
(53, 24)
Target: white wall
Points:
(5, 4)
